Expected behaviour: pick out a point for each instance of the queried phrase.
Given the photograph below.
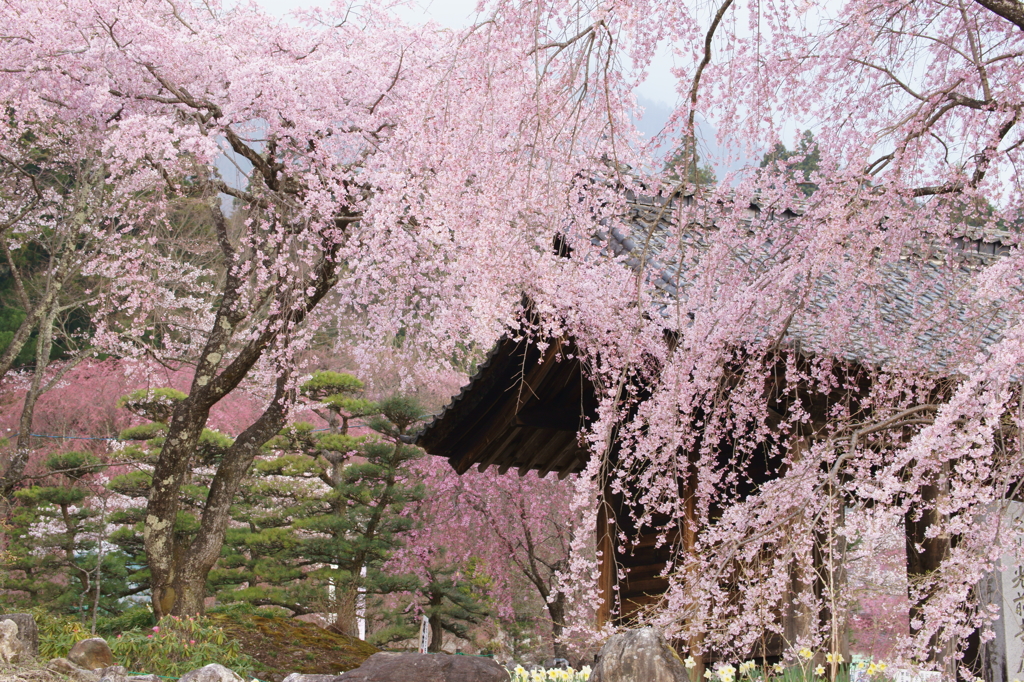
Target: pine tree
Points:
(686, 163)
(324, 507)
(799, 163)
(453, 597)
(57, 539)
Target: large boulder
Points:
(638, 655)
(389, 667)
(92, 654)
(11, 648)
(28, 631)
(214, 672)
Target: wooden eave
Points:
(522, 410)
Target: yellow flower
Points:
(778, 667)
(805, 654)
(872, 669)
(820, 670)
(708, 674)
(882, 667)
(691, 664)
(747, 668)
(834, 658)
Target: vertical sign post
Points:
(424, 635)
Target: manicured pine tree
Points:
(55, 541)
(367, 521)
(324, 506)
(453, 597)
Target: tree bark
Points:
(556, 609)
(436, 633)
(178, 572)
(1011, 10)
(23, 445)
(181, 590)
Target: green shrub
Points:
(174, 647)
(135, 618)
(57, 634)
(178, 645)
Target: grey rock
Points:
(75, 672)
(143, 678)
(214, 672)
(28, 631)
(11, 648)
(390, 667)
(301, 677)
(92, 654)
(638, 655)
(115, 673)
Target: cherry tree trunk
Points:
(436, 634)
(556, 609)
(23, 447)
(179, 570)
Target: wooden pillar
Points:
(689, 547)
(823, 581)
(921, 563)
(606, 562)
(798, 618)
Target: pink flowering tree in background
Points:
(517, 531)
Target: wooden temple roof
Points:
(525, 406)
(522, 410)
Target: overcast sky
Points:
(656, 94)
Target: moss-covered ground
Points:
(283, 645)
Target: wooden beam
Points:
(550, 452)
(534, 444)
(503, 412)
(566, 470)
(497, 451)
(566, 450)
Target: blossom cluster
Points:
(521, 674)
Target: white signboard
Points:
(424, 635)
(1012, 598)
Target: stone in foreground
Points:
(115, 673)
(75, 672)
(11, 648)
(28, 631)
(638, 655)
(389, 667)
(214, 672)
(302, 677)
(91, 654)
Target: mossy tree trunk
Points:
(178, 570)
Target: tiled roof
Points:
(931, 284)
